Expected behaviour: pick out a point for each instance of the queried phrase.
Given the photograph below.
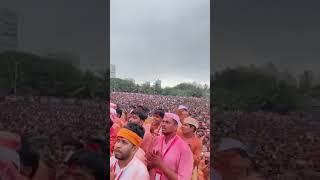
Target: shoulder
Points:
(158, 138)
(140, 153)
(140, 165)
(179, 133)
(198, 141)
(183, 146)
(181, 142)
(112, 160)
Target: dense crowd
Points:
(52, 130)
(281, 145)
(199, 108)
(169, 137)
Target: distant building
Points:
(112, 71)
(8, 30)
(157, 83)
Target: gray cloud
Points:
(254, 32)
(75, 26)
(162, 39)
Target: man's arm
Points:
(185, 165)
(156, 161)
(168, 172)
(197, 155)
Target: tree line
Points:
(264, 88)
(182, 89)
(247, 88)
(29, 74)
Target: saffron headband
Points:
(130, 136)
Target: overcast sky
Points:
(165, 39)
(169, 39)
(286, 32)
(73, 26)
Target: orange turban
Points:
(130, 136)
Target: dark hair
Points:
(29, 158)
(73, 142)
(90, 161)
(141, 113)
(194, 128)
(159, 112)
(100, 142)
(144, 108)
(241, 152)
(119, 111)
(135, 128)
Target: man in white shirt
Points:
(124, 164)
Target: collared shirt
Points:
(178, 158)
(134, 170)
(195, 145)
(141, 155)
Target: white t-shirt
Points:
(134, 170)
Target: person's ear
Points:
(135, 149)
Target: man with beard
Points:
(169, 157)
(138, 116)
(157, 116)
(182, 112)
(188, 128)
(153, 130)
(124, 164)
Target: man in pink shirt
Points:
(170, 157)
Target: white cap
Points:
(182, 107)
(229, 143)
(174, 117)
(192, 121)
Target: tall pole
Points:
(15, 77)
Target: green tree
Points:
(36, 75)
(117, 84)
(252, 89)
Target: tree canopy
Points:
(183, 89)
(44, 76)
(262, 88)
